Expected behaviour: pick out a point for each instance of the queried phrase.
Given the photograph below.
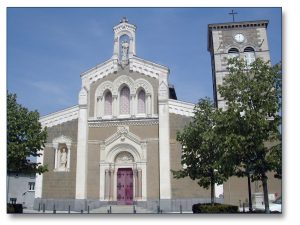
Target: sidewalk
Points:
(124, 209)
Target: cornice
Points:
(239, 25)
(147, 68)
(117, 123)
(181, 108)
(60, 117)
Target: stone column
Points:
(81, 169)
(56, 152)
(148, 105)
(139, 183)
(111, 184)
(132, 105)
(106, 190)
(136, 187)
(115, 106)
(69, 156)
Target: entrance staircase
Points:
(123, 209)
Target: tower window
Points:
(249, 55)
(108, 104)
(141, 102)
(125, 101)
(233, 53)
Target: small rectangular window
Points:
(31, 186)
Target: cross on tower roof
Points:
(232, 13)
(124, 20)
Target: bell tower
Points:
(124, 42)
(246, 40)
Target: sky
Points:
(48, 48)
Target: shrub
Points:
(217, 208)
(14, 208)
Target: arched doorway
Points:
(123, 168)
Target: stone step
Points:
(120, 209)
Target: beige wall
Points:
(93, 174)
(184, 187)
(152, 170)
(236, 189)
(60, 184)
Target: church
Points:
(118, 145)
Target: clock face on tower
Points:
(239, 38)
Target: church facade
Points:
(118, 145)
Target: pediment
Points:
(111, 66)
(123, 135)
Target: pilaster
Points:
(164, 138)
(81, 169)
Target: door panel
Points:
(125, 186)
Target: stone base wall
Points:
(154, 205)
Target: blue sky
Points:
(48, 48)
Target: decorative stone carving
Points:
(107, 85)
(120, 81)
(163, 92)
(124, 157)
(142, 83)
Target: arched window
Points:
(249, 55)
(141, 102)
(125, 101)
(108, 104)
(233, 53)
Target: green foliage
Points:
(251, 123)
(252, 119)
(201, 153)
(217, 208)
(25, 137)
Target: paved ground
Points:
(104, 209)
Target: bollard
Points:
(243, 207)
(69, 209)
(110, 209)
(81, 211)
(44, 208)
(54, 210)
(158, 210)
(134, 211)
(39, 207)
(180, 209)
(88, 209)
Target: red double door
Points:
(125, 186)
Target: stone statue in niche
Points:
(125, 47)
(63, 159)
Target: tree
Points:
(252, 119)
(25, 137)
(201, 154)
